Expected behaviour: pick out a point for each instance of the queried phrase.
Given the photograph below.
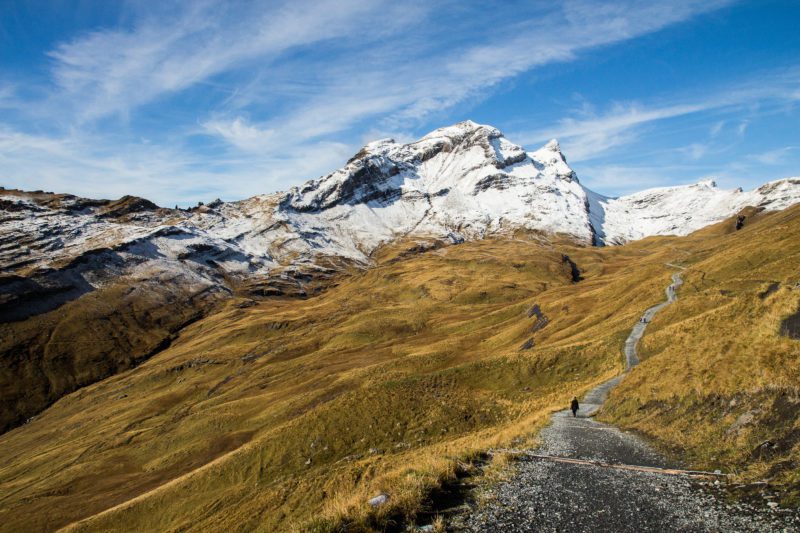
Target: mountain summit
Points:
(460, 182)
(148, 271)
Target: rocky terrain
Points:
(598, 495)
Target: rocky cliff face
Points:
(462, 182)
(66, 261)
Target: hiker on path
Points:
(574, 406)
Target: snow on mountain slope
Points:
(461, 182)
(43, 232)
(464, 181)
(683, 209)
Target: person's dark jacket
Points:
(574, 405)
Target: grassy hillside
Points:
(720, 381)
(288, 414)
(47, 355)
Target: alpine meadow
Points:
(589, 324)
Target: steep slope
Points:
(89, 288)
(720, 371)
(295, 412)
(66, 260)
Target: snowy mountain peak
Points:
(550, 155)
(462, 130)
(466, 156)
(377, 146)
(552, 145)
(465, 181)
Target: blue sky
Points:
(188, 101)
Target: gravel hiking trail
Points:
(587, 477)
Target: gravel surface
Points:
(671, 291)
(546, 495)
(552, 496)
(583, 438)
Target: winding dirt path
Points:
(595, 398)
(631, 358)
(587, 476)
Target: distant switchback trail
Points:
(589, 477)
(631, 359)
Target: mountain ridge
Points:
(299, 411)
(460, 182)
(64, 258)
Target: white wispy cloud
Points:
(291, 89)
(590, 136)
(78, 164)
(594, 134)
(773, 157)
(114, 71)
(400, 90)
(240, 133)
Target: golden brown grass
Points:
(292, 414)
(101, 333)
(718, 380)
